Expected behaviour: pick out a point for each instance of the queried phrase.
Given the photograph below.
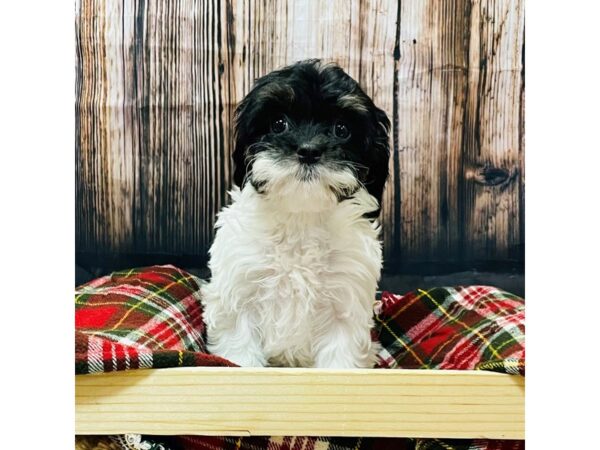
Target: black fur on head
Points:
(312, 114)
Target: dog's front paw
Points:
(243, 358)
(249, 355)
(348, 356)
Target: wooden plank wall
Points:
(157, 83)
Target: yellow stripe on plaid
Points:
(513, 340)
(405, 306)
(410, 350)
(151, 310)
(86, 290)
(154, 294)
(175, 277)
(456, 320)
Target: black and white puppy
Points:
(297, 258)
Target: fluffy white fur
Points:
(294, 271)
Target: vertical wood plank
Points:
(459, 111)
(106, 158)
(433, 48)
(492, 149)
(377, 35)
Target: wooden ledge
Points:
(302, 402)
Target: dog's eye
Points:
(279, 125)
(340, 130)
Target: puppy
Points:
(296, 258)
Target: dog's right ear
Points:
(239, 150)
(240, 144)
(247, 119)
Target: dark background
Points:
(157, 83)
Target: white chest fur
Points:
(293, 288)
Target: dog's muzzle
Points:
(309, 153)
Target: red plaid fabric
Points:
(463, 328)
(140, 318)
(152, 317)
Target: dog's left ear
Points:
(380, 156)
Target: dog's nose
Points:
(309, 154)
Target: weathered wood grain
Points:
(157, 84)
(459, 124)
(490, 210)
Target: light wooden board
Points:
(302, 402)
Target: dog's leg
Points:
(230, 333)
(238, 343)
(346, 346)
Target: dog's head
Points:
(308, 136)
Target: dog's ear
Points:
(247, 121)
(241, 135)
(380, 156)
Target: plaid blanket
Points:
(152, 318)
(463, 328)
(138, 319)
